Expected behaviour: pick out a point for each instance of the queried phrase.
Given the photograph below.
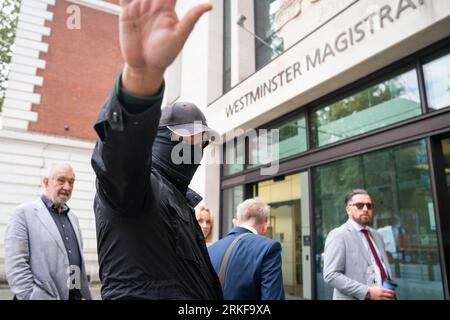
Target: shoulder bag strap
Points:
(223, 265)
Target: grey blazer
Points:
(347, 267)
(36, 260)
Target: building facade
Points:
(65, 60)
(347, 94)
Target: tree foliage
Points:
(9, 14)
(365, 99)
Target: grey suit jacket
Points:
(347, 266)
(36, 260)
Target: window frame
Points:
(430, 125)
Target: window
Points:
(292, 137)
(234, 156)
(399, 180)
(378, 106)
(445, 144)
(265, 11)
(291, 141)
(437, 82)
(230, 199)
(226, 46)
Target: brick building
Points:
(359, 92)
(65, 60)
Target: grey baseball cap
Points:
(185, 119)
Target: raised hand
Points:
(151, 36)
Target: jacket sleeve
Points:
(84, 283)
(122, 155)
(271, 274)
(17, 259)
(334, 268)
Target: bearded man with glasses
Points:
(355, 260)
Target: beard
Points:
(61, 200)
(364, 220)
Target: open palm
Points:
(151, 35)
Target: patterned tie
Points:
(375, 255)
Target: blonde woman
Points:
(205, 220)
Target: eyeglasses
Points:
(360, 205)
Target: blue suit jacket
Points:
(254, 267)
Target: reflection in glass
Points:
(399, 181)
(437, 82)
(234, 156)
(383, 104)
(265, 11)
(292, 137)
(230, 199)
(291, 141)
(446, 152)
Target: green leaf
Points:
(9, 15)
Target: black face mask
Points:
(176, 161)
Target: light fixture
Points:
(240, 22)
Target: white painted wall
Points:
(198, 71)
(413, 30)
(25, 62)
(25, 157)
(24, 160)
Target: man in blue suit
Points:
(253, 269)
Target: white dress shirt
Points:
(249, 228)
(358, 228)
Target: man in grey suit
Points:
(355, 261)
(43, 244)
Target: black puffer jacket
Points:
(149, 243)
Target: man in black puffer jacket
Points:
(149, 243)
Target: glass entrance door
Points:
(404, 214)
(289, 217)
(446, 153)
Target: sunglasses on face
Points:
(360, 205)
